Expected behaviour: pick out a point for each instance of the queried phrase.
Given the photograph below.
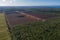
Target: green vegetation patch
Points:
(48, 30)
(3, 28)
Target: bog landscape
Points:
(29, 23)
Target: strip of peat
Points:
(20, 18)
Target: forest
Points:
(48, 30)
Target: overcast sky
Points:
(29, 2)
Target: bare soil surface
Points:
(16, 18)
(20, 18)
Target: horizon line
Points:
(51, 5)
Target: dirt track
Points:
(30, 16)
